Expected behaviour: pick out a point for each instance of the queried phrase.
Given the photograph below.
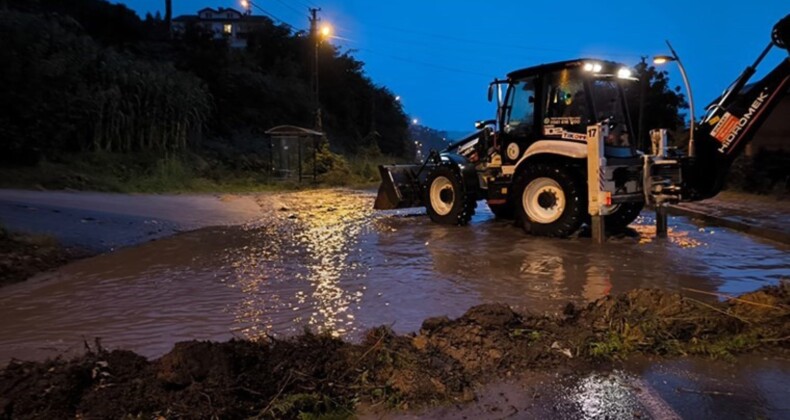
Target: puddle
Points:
(692, 388)
(324, 260)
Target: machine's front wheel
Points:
(550, 200)
(446, 199)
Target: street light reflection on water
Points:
(308, 254)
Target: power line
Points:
(421, 63)
(284, 23)
(295, 10)
(488, 44)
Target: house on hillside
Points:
(225, 23)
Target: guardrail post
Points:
(596, 195)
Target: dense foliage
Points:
(662, 105)
(87, 75)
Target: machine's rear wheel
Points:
(447, 201)
(622, 216)
(550, 200)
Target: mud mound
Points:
(22, 256)
(443, 362)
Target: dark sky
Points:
(440, 55)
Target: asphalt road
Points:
(102, 222)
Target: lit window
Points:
(228, 28)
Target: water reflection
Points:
(298, 262)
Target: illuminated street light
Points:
(247, 5)
(662, 59)
(397, 98)
(415, 121)
(320, 34)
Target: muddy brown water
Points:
(324, 260)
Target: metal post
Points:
(596, 194)
(661, 220)
(658, 140)
(315, 157)
(299, 156)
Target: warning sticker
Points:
(726, 125)
(573, 136)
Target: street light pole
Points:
(317, 40)
(663, 59)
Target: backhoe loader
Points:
(530, 162)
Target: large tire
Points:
(622, 216)
(551, 200)
(446, 198)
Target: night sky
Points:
(439, 56)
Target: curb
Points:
(772, 234)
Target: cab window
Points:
(566, 108)
(520, 117)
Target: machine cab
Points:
(558, 101)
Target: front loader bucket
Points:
(400, 187)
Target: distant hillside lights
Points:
(225, 23)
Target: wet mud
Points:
(443, 363)
(23, 256)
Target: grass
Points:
(145, 173)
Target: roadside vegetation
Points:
(94, 97)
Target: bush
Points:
(764, 173)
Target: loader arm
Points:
(733, 120)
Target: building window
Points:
(227, 28)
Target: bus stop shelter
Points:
(291, 147)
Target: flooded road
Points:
(324, 260)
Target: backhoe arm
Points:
(732, 121)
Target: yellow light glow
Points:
(662, 59)
(624, 73)
(326, 31)
(245, 4)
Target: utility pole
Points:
(168, 16)
(644, 81)
(314, 19)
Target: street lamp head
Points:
(415, 121)
(326, 31)
(662, 59)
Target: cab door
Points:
(518, 125)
